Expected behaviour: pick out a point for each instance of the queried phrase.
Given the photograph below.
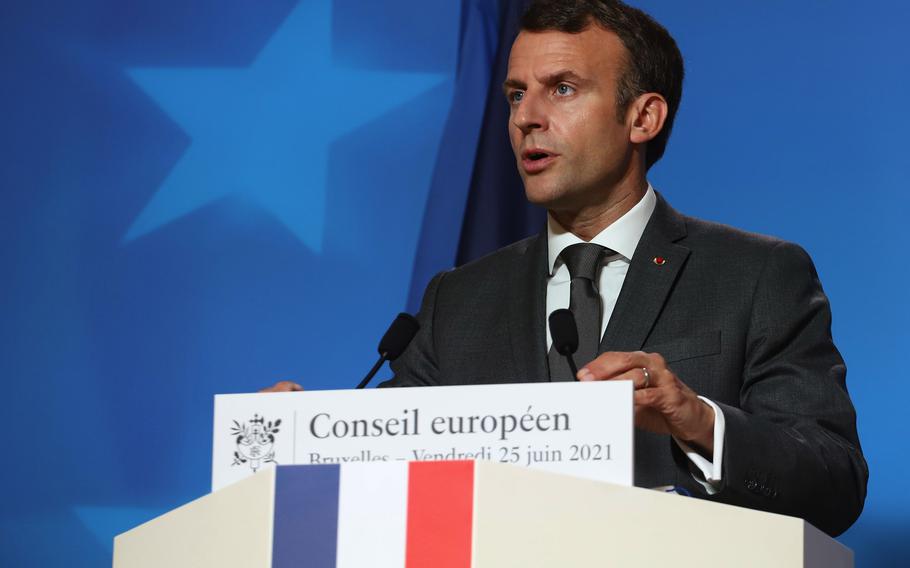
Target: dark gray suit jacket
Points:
(741, 318)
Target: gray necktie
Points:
(583, 261)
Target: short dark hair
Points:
(655, 64)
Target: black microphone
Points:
(565, 336)
(403, 329)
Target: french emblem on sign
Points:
(254, 442)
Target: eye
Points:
(516, 96)
(562, 89)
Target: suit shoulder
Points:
(497, 261)
(710, 235)
(732, 254)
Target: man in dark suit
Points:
(739, 390)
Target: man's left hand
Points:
(663, 403)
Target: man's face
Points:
(570, 145)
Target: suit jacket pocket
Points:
(698, 345)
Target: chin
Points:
(548, 197)
(540, 193)
(540, 200)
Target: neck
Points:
(587, 222)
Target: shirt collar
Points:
(621, 236)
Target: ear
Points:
(648, 113)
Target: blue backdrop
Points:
(195, 195)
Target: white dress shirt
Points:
(622, 237)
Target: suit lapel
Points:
(527, 309)
(655, 265)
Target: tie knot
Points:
(583, 259)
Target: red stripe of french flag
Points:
(440, 514)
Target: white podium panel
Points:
(535, 519)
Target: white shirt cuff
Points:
(711, 471)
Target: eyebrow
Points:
(562, 76)
(512, 84)
(551, 79)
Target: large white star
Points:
(264, 131)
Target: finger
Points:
(283, 386)
(286, 386)
(648, 398)
(641, 378)
(613, 363)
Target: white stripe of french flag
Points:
(372, 515)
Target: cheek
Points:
(575, 136)
(602, 135)
(514, 137)
(576, 119)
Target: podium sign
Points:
(581, 429)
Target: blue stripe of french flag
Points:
(396, 515)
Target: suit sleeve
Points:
(417, 365)
(791, 446)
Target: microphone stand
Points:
(373, 371)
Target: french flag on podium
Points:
(461, 514)
(400, 514)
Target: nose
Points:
(530, 114)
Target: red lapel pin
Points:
(659, 260)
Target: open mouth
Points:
(536, 160)
(536, 155)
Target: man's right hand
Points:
(283, 386)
